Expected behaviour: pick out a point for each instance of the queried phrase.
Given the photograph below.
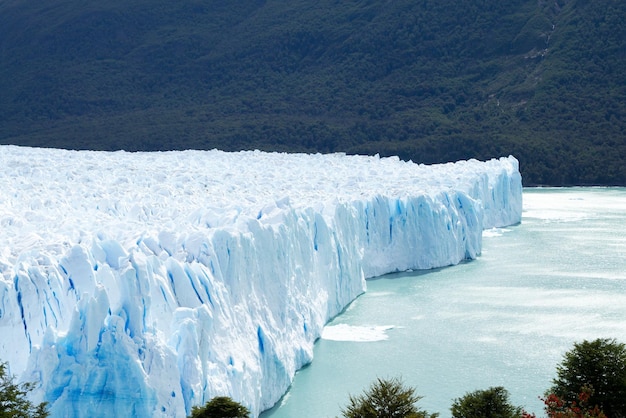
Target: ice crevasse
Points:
(142, 284)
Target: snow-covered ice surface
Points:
(141, 284)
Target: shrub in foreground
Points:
(386, 398)
(490, 403)
(558, 408)
(596, 369)
(13, 398)
(220, 407)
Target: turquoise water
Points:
(504, 319)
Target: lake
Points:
(504, 319)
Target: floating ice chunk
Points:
(345, 332)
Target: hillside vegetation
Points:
(427, 80)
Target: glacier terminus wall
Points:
(142, 284)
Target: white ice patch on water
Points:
(494, 232)
(345, 332)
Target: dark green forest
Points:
(428, 80)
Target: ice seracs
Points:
(141, 284)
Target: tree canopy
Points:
(386, 398)
(14, 402)
(220, 407)
(490, 403)
(599, 365)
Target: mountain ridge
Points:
(427, 81)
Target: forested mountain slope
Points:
(427, 80)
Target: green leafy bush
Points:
(13, 398)
(599, 365)
(386, 398)
(220, 407)
(491, 403)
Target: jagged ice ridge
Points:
(141, 284)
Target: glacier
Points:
(142, 284)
